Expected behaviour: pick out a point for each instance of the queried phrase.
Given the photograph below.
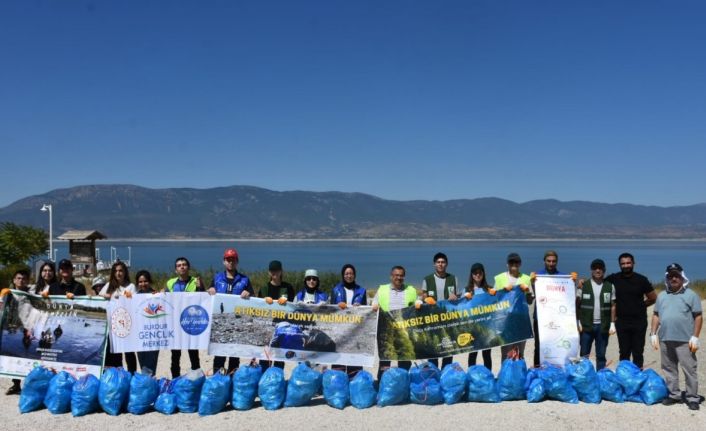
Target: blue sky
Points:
(601, 100)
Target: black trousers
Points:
(176, 360)
(444, 362)
(386, 364)
(116, 360)
(348, 369)
(631, 339)
(266, 364)
(487, 359)
(535, 328)
(220, 362)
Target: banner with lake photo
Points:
(324, 334)
(556, 318)
(453, 327)
(161, 321)
(55, 332)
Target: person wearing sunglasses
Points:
(311, 294)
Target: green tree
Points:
(20, 243)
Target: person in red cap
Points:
(230, 282)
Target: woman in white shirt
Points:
(119, 284)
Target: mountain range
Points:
(128, 211)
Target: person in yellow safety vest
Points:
(184, 282)
(395, 296)
(508, 280)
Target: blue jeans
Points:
(601, 338)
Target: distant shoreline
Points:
(475, 240)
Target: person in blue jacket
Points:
(288, 336)
(348, 292)
(230, 282)
(311, 294)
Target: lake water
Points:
(373, 259)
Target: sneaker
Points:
(693, 405)
(670, 401)
(14, 390)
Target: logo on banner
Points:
(120, 322)
(194, 319)
(154, 310)
(464, 339)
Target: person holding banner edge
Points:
(184, 282)
(595, 304)
(440, 285)
(478, 285)
(118, 285)
(551, 260)
(276, 288)
(147, 359)
(508, 280)
(230, 282)
(20, 281)
(394, 296)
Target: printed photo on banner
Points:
(556, 318)
(453, 327)
(55, 332)
(160, 321)
(324, 334)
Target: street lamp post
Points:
(47, 207)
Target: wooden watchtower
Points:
(82, 249)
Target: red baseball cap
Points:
(230, 253)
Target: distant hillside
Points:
(127, 211)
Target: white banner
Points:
(556, 314)
(161, 321)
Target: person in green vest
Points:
(441, 285)
(394, 296)
(595, 310)
(184, 282)
(513, 278)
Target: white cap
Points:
(311, 273)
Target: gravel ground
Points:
(513, 415)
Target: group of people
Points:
(605, 305)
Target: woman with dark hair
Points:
(148, 360)
(346, 293)
(478, 285)
(47, 276)
(119, 284)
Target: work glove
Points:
(282, 300)
(492, 291)
(45, 293)
(574, 276)
(693, 344)
(268, 300)
(128, 294)
(417, 304)
(509, 287)
(4, 292)
(524, 287)
(69, 295)
(468, 295)
(654, 341)
(611, 331)
(342, 305)
(429, 300)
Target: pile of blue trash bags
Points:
(117, 391)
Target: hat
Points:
(311, 273)
(98, 281)
(598, 263)
(674, 267)
(230, 253)
(477, 267)
(275, 265)
(65, 263)
(514, 257)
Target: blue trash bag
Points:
(482, 386)
(215, 394)
(187, 390)
(114, 391)
(166, 400)
(362, 390)
(144, 390)
(245, 382)
(534, 386)
(556, 384)
(453, 383)
(631, 379)
(654, 389)
(84, 397)
(336, 388)
(511, 379)
(58, 397)
(584, 380)
(424, 385)
(303, 384)
(272, 388)
(610, 387)
(34, 389)
(394, 387)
